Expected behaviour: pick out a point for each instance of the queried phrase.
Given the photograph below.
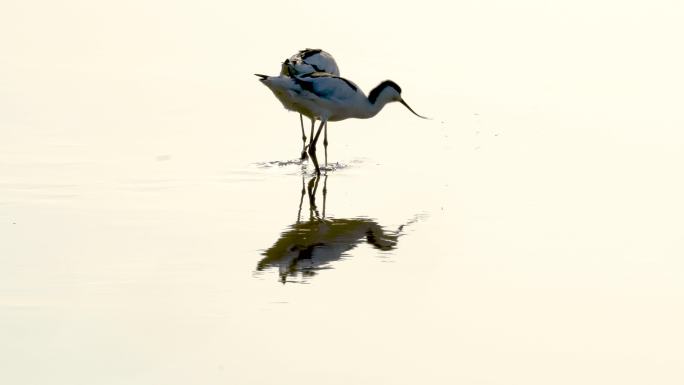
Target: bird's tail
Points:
(263, 77)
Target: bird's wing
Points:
(327, 86)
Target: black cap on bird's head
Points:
(375, 92)
(395, 91)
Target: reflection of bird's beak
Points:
(411, 109)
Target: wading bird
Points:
(307, 61)
(326, 97)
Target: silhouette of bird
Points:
(309, 246)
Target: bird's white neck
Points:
(369, 110)
(376, 100)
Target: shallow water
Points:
(157, 226)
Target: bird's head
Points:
(387, 92)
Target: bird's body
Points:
(321, 96)
(327, 97)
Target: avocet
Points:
(326, 97)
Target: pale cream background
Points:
(549, 183)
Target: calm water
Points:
(156, 226)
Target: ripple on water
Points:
(303, 163)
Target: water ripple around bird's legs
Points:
(330, 167)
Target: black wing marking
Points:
(305, 53)
(305, 85)
(350, 84)
(327, 75)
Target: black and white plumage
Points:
(310, 60)
(325, 97)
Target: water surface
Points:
(156, 226)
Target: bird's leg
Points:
(301, 123)
(325, 144)
(312, 143)
(312, 147)
(311, 135)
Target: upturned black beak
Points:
(411, 109)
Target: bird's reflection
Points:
(314, 244)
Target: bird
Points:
(304, 62)
(329, 98)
